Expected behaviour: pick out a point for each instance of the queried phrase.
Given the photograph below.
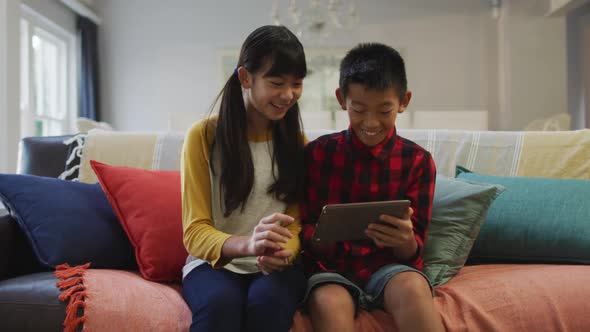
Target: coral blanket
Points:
(480, 298)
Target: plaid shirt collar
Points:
(380, 151)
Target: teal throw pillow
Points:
(537, 220)
(458, 211)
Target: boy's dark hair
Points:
(284, 51)
(376, 66)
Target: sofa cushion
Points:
(516, 297)
(84, 125)
(149, 207)
(30, 303)
(534, 220)
(479, 298)
(66, 222)
(458, 211)
(16, 254)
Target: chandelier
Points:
(319, 19)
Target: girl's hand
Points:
(397, 233)
(268, 234)
(276, 262)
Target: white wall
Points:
(160, 58)
(9, 84)
(533, 64)
(578, 101)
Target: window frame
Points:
(31, 20)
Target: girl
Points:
(242, 175)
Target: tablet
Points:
(347, 222)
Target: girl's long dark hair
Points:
(280, 47)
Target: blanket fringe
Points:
(73, 291)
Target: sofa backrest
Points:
(42, 156)
(549, 154)
(552, 154)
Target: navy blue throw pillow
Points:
(67, 222)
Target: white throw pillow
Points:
(84, 125)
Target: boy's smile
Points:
(372, 112)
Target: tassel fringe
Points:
(73, 291)
(77, 151)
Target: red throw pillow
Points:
(148, 205)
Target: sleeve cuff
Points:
(416, 255)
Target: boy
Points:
(369, 162)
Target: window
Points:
(48, 77)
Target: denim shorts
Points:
(369, 298)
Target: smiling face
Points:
(372, 113)
(268, 98)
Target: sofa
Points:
(523, 268)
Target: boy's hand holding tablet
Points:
(397, 233)
(386, 223)
(392, 231)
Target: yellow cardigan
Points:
(200, 236)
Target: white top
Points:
(259, 205)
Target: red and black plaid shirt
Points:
(341, 169)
